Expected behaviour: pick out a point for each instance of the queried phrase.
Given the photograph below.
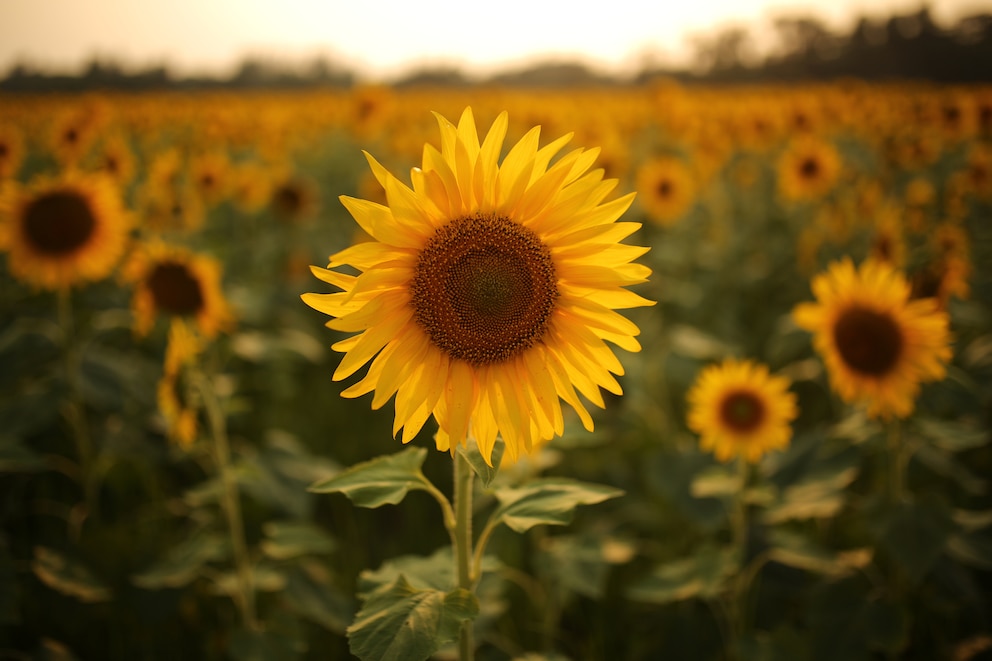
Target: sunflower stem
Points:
(898, 461)
(231, 499)
(75, 409)
(463, 546)
(739, 526)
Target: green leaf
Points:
(548, 501)
(581, 563)
(796, 550)
(716, 482)
(16, 458)
(68, 576)
(887, 626)
(819, 496)
(946, 463)
(291, 539)
(972, 549)
(182, 564)
(381, 481)
(436, 571)
(954, 436)
(264, 578)
(915, 534)
(401, 623)
(311, 594)
(485, 472)
(701, 575)
(248, 645)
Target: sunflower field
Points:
(642, 372)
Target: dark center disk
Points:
(664, 188)
(869, 342)
(58, 223)
(288, 200)
(742, 411)
(809, 168)
(484, 289)
(175, 290)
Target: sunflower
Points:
(808, 170)
(739, 409)
(177, 283)
(116, 159)
(294, 199)
(210, 176)
(489, 290)
(63, 231)
(11, 151)
(667, 189)
(878, 345)
(173, 395)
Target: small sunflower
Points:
(115, 158)
(667, 189)
(294, 199)
(878, 345)
(808, 170)
(174, 397)
(11, 151)
(177, 283)
(739, 409)
(490, 290)
(63, 231)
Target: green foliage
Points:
(547, 501)
(381, 481)
(399, 622)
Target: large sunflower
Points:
(177, 283)
(739, 409)
(878, 345)
(63, 231)
(490, 289)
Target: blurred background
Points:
(169, 172)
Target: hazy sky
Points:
(385, 37)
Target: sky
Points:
(380, 39)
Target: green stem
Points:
(739, 525)
(898, 460)
(231, 502)
(75, 409)
(463, 546)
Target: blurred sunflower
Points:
(294, 199)
(888, 240)
(116, 159)
(210, 176)
(878, 345)
(667, 189)
(11, 151)
(808, 169)
(177, 283)
(739, 409)
(490, 289)
(63, 231)
(948, 269)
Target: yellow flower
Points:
(739, 409)
(878, 345)
(11, 151)
(808, 170)
(64, 231)
(667, 189)
(490, 290)
(175, 282)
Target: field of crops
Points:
(794, 465)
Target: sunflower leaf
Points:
(68, 576)
(182, 564)
(399, 622)
(292, 539)
(549, 501)
(701, 575)
(485, 472)
(381, 481)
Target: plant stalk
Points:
(463, 546)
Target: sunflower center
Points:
(58, 223)
(742, 411)
(288, 200)
(175, 290)
(869, 342)
(484, 289)
(809, 168)
(664, 188)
